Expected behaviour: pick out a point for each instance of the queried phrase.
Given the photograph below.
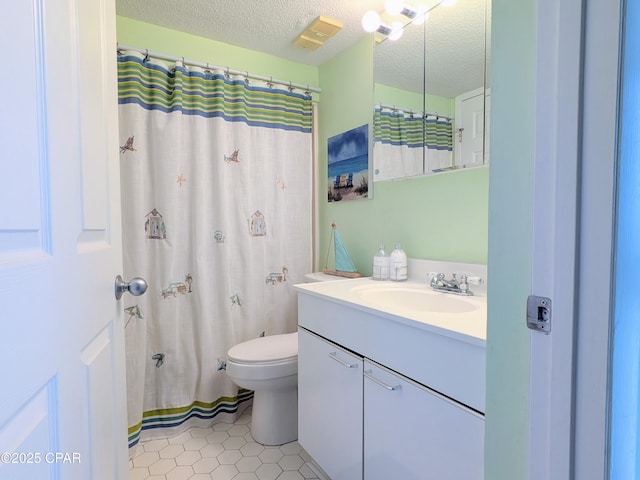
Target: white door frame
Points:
(573, 221)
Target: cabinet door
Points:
(413, 433)
(330, 406)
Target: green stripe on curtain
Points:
(402, 129)
(172, 417)
(193, 91)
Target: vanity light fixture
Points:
(372, 21)
(398, 7)
(385, 30)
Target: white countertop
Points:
(469, 324)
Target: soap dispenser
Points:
(381, 264)
(398, 264)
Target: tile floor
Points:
(222, 452)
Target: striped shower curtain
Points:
(216, 195)
(399, 138)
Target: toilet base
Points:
(274, 418)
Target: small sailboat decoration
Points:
(344, 266)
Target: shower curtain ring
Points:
(146, 55)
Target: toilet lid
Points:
(266, 349)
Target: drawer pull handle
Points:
(334, 355)
(380, 382)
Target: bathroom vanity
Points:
(391, 380)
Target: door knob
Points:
(137, 286)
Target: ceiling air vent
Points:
(317, 33)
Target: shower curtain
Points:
(399, 138)
(438, 143)
(216, 198)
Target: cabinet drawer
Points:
(330, 405)
(414, 433)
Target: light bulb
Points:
(393, 7)
(396, 31)
(371, 21)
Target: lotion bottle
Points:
(381, 264)
(398, 264)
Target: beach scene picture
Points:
(348, 165)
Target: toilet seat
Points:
(274, 349)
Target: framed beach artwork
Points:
(348, 165)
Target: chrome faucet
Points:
(440, 284)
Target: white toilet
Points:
(269, 367)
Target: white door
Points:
(469, 136)
(62, 390)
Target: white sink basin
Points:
(423, 299)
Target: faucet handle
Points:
(463, 285)
(435, 278)
(475, 280)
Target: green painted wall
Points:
(443, 217)
(510, 216)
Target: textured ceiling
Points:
(455, 35)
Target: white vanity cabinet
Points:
(383, 396)
(330, 406)
(413, 433)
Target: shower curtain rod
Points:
(184, 61)
(408, 110)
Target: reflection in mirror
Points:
(435, 71)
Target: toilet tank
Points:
(320, 277)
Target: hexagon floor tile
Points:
(221, 452)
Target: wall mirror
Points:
(432, 92)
